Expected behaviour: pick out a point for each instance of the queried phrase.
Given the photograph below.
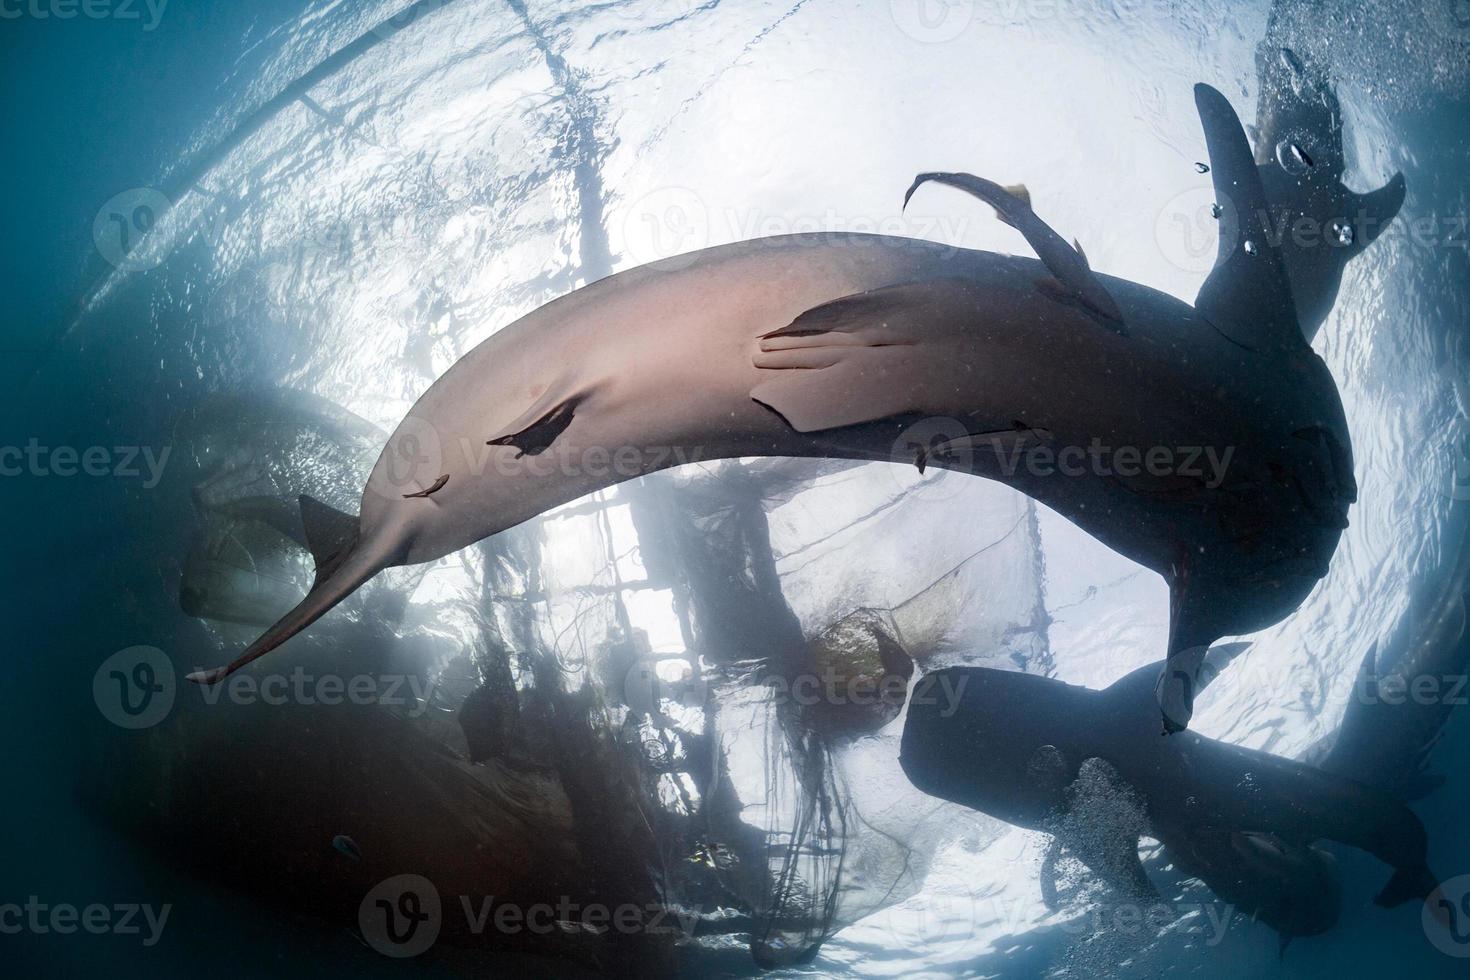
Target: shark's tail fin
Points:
(342, 565)
(1407, 884)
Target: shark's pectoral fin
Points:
(1074, 282)
(1374, 210)
(330, 534)
(536, 430)
(1247, 296)
(860, 358)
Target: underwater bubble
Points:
(1202, 168)
(1292, 157)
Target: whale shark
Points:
(1020, 746)
(1094, 395)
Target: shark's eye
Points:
(537, 437)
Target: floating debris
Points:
(1202, 168)
(1216, 211)
(1250, 247)
(1344, 232)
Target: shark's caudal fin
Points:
(341, 566)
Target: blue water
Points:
(449, 173)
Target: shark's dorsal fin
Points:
(330, 534)
(1067, 264)
(1247, 296)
